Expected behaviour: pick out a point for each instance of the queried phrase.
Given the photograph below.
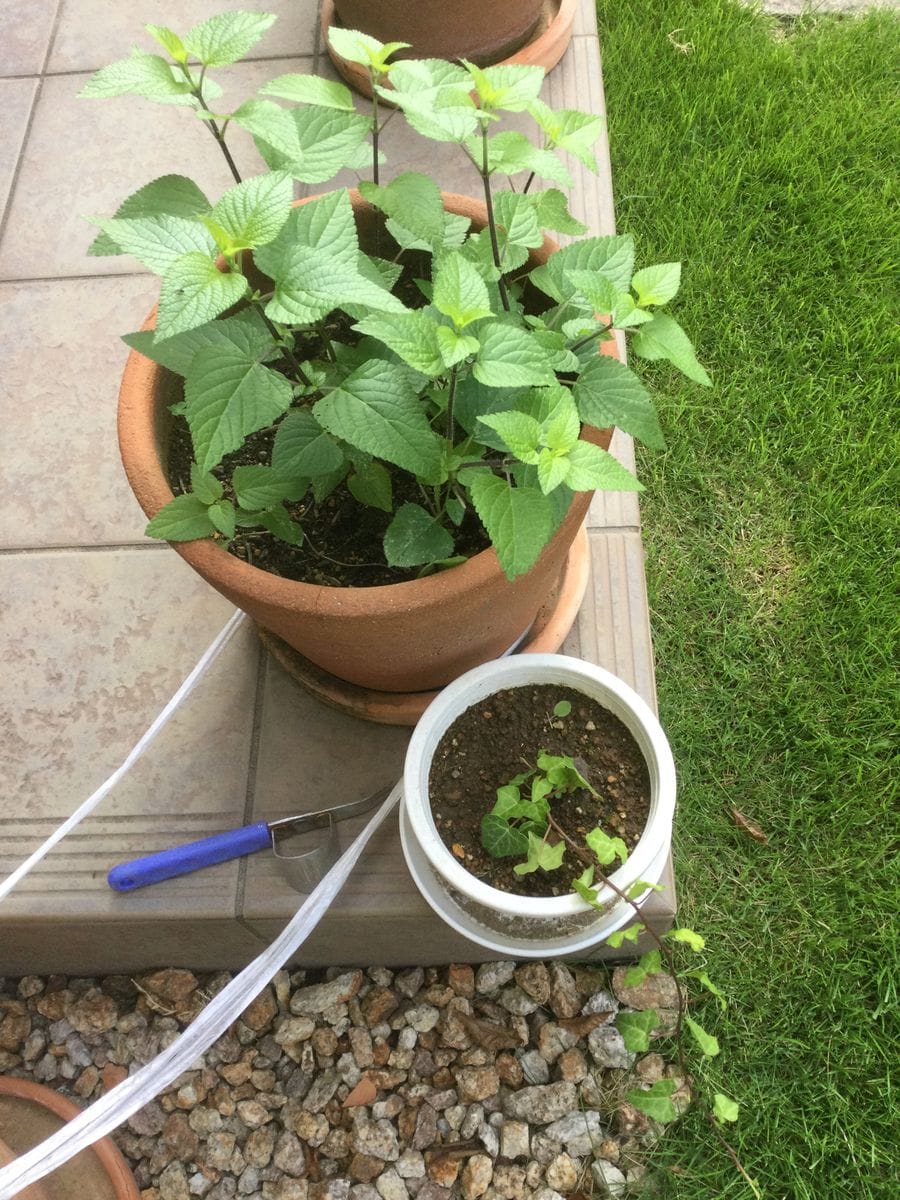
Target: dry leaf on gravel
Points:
(487, 1034)
(364, 1093)
(582, 1026)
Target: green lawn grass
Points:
(764, 157)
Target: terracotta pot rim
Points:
(142, 376)
(111, 1159)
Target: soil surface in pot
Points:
(499, 738)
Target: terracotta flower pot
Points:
(29, 1113)
(469, 29)
(403, 637)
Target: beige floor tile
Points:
(121, 144)
(92, 33)
(585, 24)
(16, 99)
(59, 341)
(94, 645)
(25, 28)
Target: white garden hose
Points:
(105, 1114)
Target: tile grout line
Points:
(262, 671)
(111, 548)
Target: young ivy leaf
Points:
(724, 1108)
(635, 1028)
(707, 1043)
(648, 964)
(582, 885)
(605, 847)
(703, 979)
(656, 1101)
(541, 856)
(631, 934)
(500, 839)
(640, 886)
(689, 937)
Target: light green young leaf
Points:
(141, 74)
(228, 394)
(598, 291)
(455, 229)
(500, 839)
(377, 409)
(657, 284)
(520, 433)
(371, 484)
(435, 98)
(414, 201)
(508, 799)
(361, 48)
(605, 847)
(635, 1028)
(459, 291)
(415, 537)
(705, 981)
(205, 486)
(310, 89)
(509, 153)
(169, 40)
(510, 357)
(552, 210)
(541, 856)
(562, 708)
(707, 1043)
(302, 447)
(193, 292)
(724, 1108)
(640, 886)
(590, 468)
(656, 1101)
(274, 129)
(608, 393)
(561, 427)
(552, 468)
(157, 241)
(455, 347)
(509, 87)
(611, 256)
(174, 195)
(222, 515)
(261, 487)
(517, 218)
(570, 130)
(227, 37)
(183, 519)
(253, 212)
(689, 937)
(518, 520)
(631, 934)
(312, 143)
(582, 885)
(411, 334)
(648, 964)
(664, 338)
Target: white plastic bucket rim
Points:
(599, 684)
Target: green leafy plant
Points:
(432, 370)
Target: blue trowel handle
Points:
(191, 857)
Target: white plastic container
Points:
(521, 926)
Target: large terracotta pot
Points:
(469, 29)
(404, 637)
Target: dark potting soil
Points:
(499, 738)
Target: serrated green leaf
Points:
(194, 291)
(253, 212)
(303, 448)
(724, 1108)
(511, 87)
(455, 229)
(611, 256)
(500, 839)
(279, 523)
(371, 484)
(169, 40)
(311, 143)
(552, 468)
(183, 519)
(157, 241)
(541, 856)
(244, 329)
(517, 221)
(635, 1028)
(361, 48)
(259, 486)
(377, 409)
(310, 89)
(147, 75)
(518, 520)
(664, 338)
(205, 486)
(222, 516)
(459, 291)
(415, 537)
(657, 284)
(707, 1043)
(562, 425)
(689, 937)
(174, 195)
(414, 201)
(454, 347)
(228, 395)
(521, 434)
(510, 357)
(608, 393)
(227, 37)
(509, 153)
(412, 335)
(597, 290)
(588, 467)
(570, 130)
(552, 210)
(656, 1101)
(435, 98)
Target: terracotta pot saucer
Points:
(29, 1113)
(546, 48)
(550, 629)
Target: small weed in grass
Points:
(764, 156)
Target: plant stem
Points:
(451, 396)
(218, 134)
(287, 350)
(375, 131)
(528, 182)
(492, 224)
(589, 337)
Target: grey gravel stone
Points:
(543, 1104)
(534, 1067)
(607, 1047)
(579, 1131)
(492, 976)
(609, 1179)
(173, 1184)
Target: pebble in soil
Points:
(499, 738)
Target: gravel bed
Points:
(499, 1081)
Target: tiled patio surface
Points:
(98, 625)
